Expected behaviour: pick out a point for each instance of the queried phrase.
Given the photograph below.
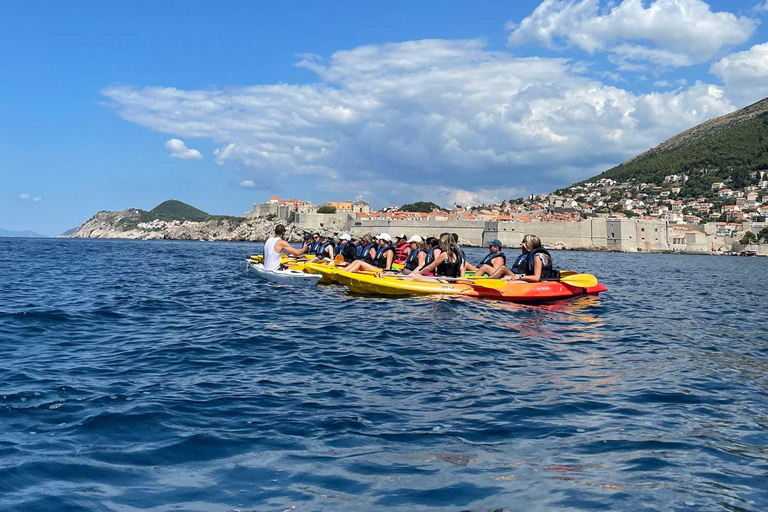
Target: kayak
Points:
(327, 273)
(514, 291)
(288, 276)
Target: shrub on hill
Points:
(420, 206)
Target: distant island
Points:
(4, 233)
(703, 191)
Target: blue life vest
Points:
(320, 252)
(313, 247)
(412, 261)
(516, 265)
(525, 266)
(430, 255)
(365, 253)
(459, 254)
(380, 260)
(488, 260)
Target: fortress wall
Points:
(571, 235)
(470, 232)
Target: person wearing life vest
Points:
(492, 263)
(458, 250)
(382, 259)
(416, 256)
(366, 249)
(324, 248)
(432, 250)
(347, 248)
(275, 246)
(448, 263)
(402, 248)
(313, 245)
(535, 263)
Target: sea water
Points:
(161, 376)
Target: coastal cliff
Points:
(157, 225)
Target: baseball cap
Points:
(415, 238)
(345, 236)
(401, 235)
(495, 242)
(384, 236)
(324, 235)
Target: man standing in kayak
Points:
(274, 247)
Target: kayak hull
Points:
(288, 277)
(513, 291)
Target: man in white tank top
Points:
(274, 247)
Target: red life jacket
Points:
(400, 254)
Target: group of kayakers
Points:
(415, 256)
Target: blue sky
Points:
(106, 106)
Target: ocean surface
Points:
(161, 376)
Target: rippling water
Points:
(160, 376)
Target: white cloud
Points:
(669, 33)
(397, 120)
(180, 150)
(761, 7)
(37, 199)
(24, 196)
(745, 74)
(248, 184)
(27, 197)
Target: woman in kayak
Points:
(535, 263)
(448, 263)
(492, 263)
(402, 248)
(416, 256)
(324, 248)
(274, 247)
(366, 250)
(347, 248)
(382, 259)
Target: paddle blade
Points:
(338, 259)
(493, 284)
(580, 280)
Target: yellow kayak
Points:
(386, 285)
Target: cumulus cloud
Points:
(27, 197)
(745, 74)
(248, 184)
(180, 150)
(670, 33)
(398, 120)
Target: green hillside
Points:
(176, 210)
(173, 210)
(729, 154)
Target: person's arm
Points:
(537, 266)
(282, 245)
(331, 253)
(498, 263)
(429, 268)
(422, 256)
(390, 257)
(372, 253)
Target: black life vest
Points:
(525, 266)
(412, 261)
(349, 251)
(365, 253)
(380, 260)
(313, 247)
(518, 261)
(459, 254)
(488, 260)
(448, 268)
(320, 252)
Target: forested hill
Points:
(728, 147)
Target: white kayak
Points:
(293, 277)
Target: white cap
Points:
(401, 235)
(384, 236)
(345, 236)
(415, 238)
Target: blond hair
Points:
(531, 242)
(446, 242)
